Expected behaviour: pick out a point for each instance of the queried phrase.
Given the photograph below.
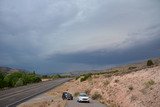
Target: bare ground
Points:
(136, 89)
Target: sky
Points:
(56, 36)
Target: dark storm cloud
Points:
(58, 35)
(102, 57)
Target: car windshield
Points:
(82, 94)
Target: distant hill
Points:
(10, 70)
(131, 66)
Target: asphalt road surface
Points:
(93, 103)
(14, 96)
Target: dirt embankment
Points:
(135, 89)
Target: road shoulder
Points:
(93, 103)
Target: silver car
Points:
(83, 97)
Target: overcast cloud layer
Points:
(65, 35)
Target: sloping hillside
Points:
(136, 89)
(134, 66)
(10, 70)
(134, 85)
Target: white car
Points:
(83, 97)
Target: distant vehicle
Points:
(67, 96)
(83, 97)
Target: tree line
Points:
(16, 79)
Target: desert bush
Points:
(114, 71)
(131, 68)
(82, 79)
(85, 77)
(130, 87)
(99, 73)
(96, 96)
(77, 77)
(149, 83)
(149, 63)
(116, 80)
(106, 82)
(107, 75)
(76, 94)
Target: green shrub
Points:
(2, 83)
(19, 82)
(14, 81)
(85, 77)
(149, 63)
(96, 96)
(18, 79)
(76, 94)
(32, 79)
(2, 75)
(56, 76)
(11, 79)
(149, 83)
(77, 77)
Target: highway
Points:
(15, 96)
